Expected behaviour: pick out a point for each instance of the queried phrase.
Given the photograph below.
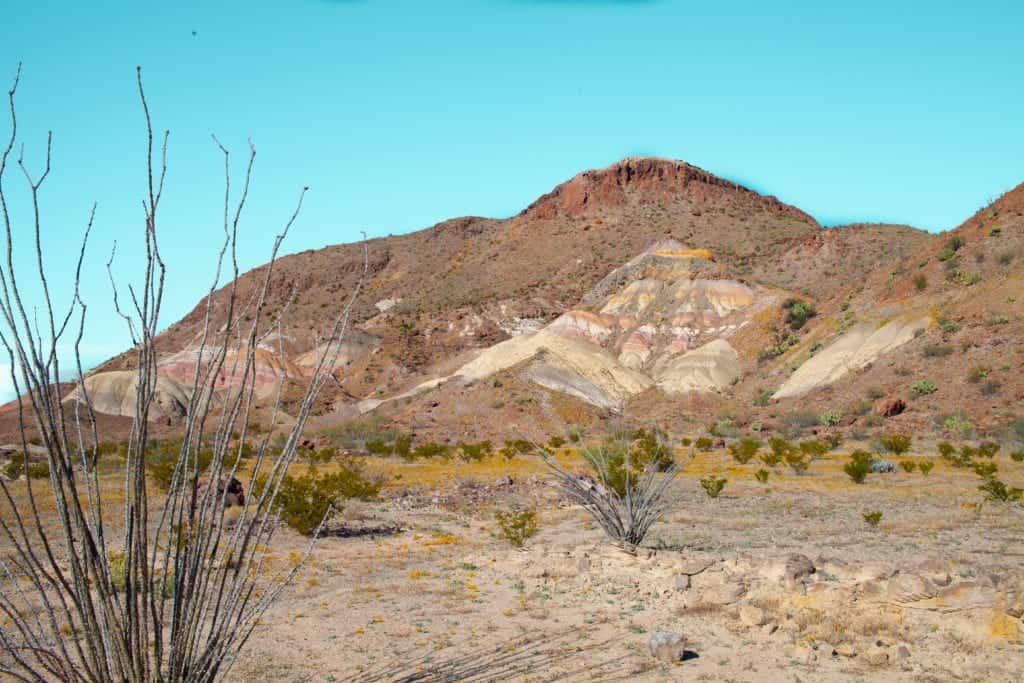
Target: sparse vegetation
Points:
(908, 466)
(897, 444)
(713, 485)
(762, 475)
(923, 387)
(872, 518)
(858, 467)
(798, 312)
(744, 450)
(925, 467)
(998, 492)
(516, 526)
(831, 418)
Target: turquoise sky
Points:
(399, 114)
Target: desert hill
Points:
(650, 289)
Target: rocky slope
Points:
(650, 289)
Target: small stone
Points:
(825, 649)
(584, 564)
(901, 654)
(769, 628)
(682, 582)
(724, 594)
(797, 567)
(876, 656)
(667, 646)
(846, 650)
(752, 616)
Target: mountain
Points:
(650, 290)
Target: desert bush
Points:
(18, 466)
(475, 452)
(875, 393)
(624, 500)
(831, 418)
(859, 466)
(744, 450)
(959, 424)
(898, 444)
(516, 526)
(763, 398)
(724, 428)
(925, 467)
(798, 312)
(923, 388)
(713, 485)
(1017, 456)
(307, 501)
(920, 282)
(797, 461)
(985, 469)
(686, 441)
(998, 492)
(949, 326)
(872, 518)
(834, 441)
(908, 466)
(556, 442)
(978, 373)
(704, 444)
(68, 621)
(650, 447)
(988, 449)
(762, 475)
(946, 449)
(813, 449)
(430, 449)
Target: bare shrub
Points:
(624, 496)
(168, 592)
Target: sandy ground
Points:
(934, 593)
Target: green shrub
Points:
(923, 387)
(649, 446)
(762, 475)
(998, 492)
(834, 441)
(925, 467)
(872, 518)
(897, 444)
(704, 444)
(763, 398)
(713, 485)
(798, 312)
(430, 449)
(813, 449)
(517, 526)
(686, 441)
(306, 501)
(797, 461)
(16, 467)
(779, 449)
(920, 282)
(908, 465)
(744, 450)
(949, 326)
(830, 418)
(555, 442)
(988, 449)
(985, 469)
(978, 373)
(475, 452)
(958, 423)
(1017, 456)
(859, 466)
(946, 449)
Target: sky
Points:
(402, 113)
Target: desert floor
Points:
(421, 588)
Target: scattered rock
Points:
(901, 654)
(682, 582)
(504, 481)
(797, 567)
(584, 563)
(825, 649)
(876, 656)
(769, 628)
(845, 650)
(909, 588)
(890, 407)
(667, 646)
(235, 496)
(752, 616)
(724, 594)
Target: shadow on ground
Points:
(548, 657)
